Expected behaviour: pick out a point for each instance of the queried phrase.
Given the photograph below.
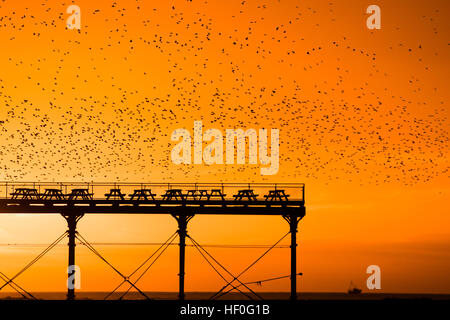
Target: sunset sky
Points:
(363, 118)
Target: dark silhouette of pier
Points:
(183, 201)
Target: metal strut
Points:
(162, 248)
(182, 220)
(16, 287)
(236, 278)
(126, 279)
(10, 281)
(260, 282)
(200, 249)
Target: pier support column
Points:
(293, 227)
(72, 220)
(293, 220)
(182, 220)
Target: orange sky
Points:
(363, 121)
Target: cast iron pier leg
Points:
(293, 227)
(182, 220)
(293, 220)
(72, 219)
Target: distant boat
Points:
(353, 289)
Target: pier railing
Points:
(148, 191)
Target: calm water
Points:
(230, 296)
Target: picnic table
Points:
(83, 194)
(216, 194)
(246, 194)
(203, 194)
(115, 194)
(173, 194)
(191, 194)
(277, 195)
(25, 193)
(142, 194)
(53, 194)
(196, 194)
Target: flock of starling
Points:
(100, 103)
